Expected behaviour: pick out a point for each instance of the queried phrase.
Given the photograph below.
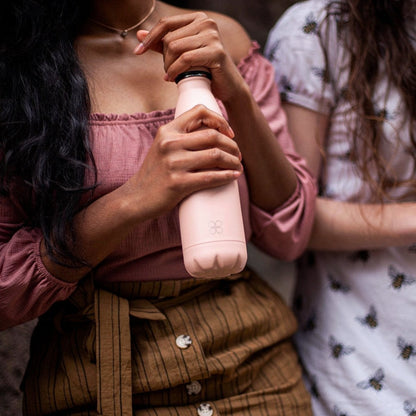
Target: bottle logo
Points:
(215, 227)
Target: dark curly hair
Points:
(376, 31)
(44, 109)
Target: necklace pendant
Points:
(123, 34)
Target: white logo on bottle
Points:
(215, 227)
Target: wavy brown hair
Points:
(376, 31)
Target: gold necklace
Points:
(123, 32)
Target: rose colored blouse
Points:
(152, 251)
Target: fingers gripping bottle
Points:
(211, 223)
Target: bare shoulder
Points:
(235, 38)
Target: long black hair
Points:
(44, 109)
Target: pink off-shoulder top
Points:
(152, 251)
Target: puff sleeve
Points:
(27, 289)
(298, 55)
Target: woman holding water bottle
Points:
(94, 166)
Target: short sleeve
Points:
(296, 52)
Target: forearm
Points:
(351, 226)
(271, 177)
(99, 230)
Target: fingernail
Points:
(139, 48)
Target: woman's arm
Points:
(271, 177)
(343, 225)
(351, 226)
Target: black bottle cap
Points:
(194, 73)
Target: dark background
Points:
(257, 17)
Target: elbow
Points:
(293, 247)
(287, 245)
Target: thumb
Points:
(141, 34)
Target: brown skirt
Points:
(189, 347)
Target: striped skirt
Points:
(189, 347)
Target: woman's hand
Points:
(184, 159)
(192, 41)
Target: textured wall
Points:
(257, 17)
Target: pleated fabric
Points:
(190, 347)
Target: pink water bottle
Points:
(211, 222)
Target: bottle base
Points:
(215, 259)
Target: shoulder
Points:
(304, 61)
(305, 26)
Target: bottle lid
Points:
(193, 73)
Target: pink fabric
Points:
(153, 249)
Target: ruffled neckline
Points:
(158, 114)
(139, 116)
